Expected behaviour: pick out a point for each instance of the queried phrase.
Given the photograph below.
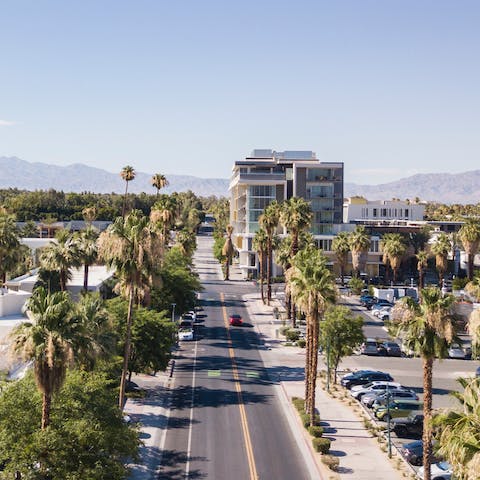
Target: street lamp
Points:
(173, 311)
(389, 434)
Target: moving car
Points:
(236, 320)
(411, 426)
(185, 334)
(369, 347)
(363, 378)
(439, 471)
(391, 349)
(358, 391)
(397, 408)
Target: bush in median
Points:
(331, 461)
(315, 431)
(321, 444)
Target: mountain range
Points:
(460, 188)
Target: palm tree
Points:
(227, 251)
(394, 249)
(90, 214)
(260, 242)
(61, 256)
(427, 329)
(48, 342)
(187, 242)
(163, 213)
(86, 244)
(128, 174)
(441, 248)
(126, 246)
(296, 216)
(469, 235)
(459, 431)
(313, 290)
(269, 222)
(9, 246)
(422, 263)
(159, 181)
(359, 244)
(341, 247)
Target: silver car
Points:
(381, 396)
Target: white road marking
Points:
(189, 444)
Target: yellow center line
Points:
(238, 388)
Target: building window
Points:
(406, 213)
(374, 212)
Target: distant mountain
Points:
(14, 172)
(18, 173)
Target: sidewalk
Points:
(360, 455)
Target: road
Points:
(225, 419)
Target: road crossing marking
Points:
(243, 416)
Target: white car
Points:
(439, 471)
(185, 334)
(193, 314)
(456, 351)
(358, 391)
(379, 312)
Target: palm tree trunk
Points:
(470, 258)
(293, 313)
(420, 279)
(125, 200)
(313, 370)
(85, 278)
(269, 271)
(126, 355)
(46, 404)
(261, 277)
(288, 301)
(63, 281)
(307, 365)
(427, 414)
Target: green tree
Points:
(159, 181)
(260, 244)
(340, 334)
(469, 235)
(441, 248)
(341, 247)
(459, 431)
(313, 290)
(87, 251)
(9, 246)
(163, 214)
(427, 329)
(394, 249)
(128, 174)
(359, 241)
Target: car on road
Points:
(400, 392)
(363, 378)
(364, 299)
(358, 391)
(193, 315)
(456, 351)
(185, 334)
(391, 349)
(236, 320)
(369, 347)
(407, 427)
(439, 471)
(397, 408)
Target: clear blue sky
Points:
(391, 88)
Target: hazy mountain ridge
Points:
(16, 173)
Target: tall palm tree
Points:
(124, 246)
(441, 248)
(296, 216)
(394, 248)
(469, 235)
(269, 222)
(9, 245)
(187, 242)
(260, 242)
(163, 214)
(159, 181)
(459, 431)
(341, 247)
(228, 250)
(128, 174)
(359, 241)
(48, 342)
(427, 329)
(90, 214)
(313, 290)
(422, 263)
(61, 256)
(87, 250)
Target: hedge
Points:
(321, 444)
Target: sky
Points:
(390, 88)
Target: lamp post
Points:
(173, 311)
(328, 364)
(389, 434)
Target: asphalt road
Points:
(225, 420)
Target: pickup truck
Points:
(411, 426)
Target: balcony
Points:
(261, 177)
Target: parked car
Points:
(369, 347)
(366, 299)
(456, 351)
(399, 394)
(236, 320)
(351, 375)
(413, 453)
(439, 471)
(371, 397)
(410, 426)
(380, 307)
(185, 334)
(193, 314)
(378, 303)
(358, 391)
(397, 408)
(391, 349)
(364, 378)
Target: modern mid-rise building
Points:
(267, 175)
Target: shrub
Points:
(299, 403)
(305, 419)
(284, 330)
(292, 335)
(321, 444)
(315, 431)
(459, 283)
(356, 285)
(331, 461)
(301, 342)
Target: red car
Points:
(236, 320)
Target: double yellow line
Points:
(238, 388)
